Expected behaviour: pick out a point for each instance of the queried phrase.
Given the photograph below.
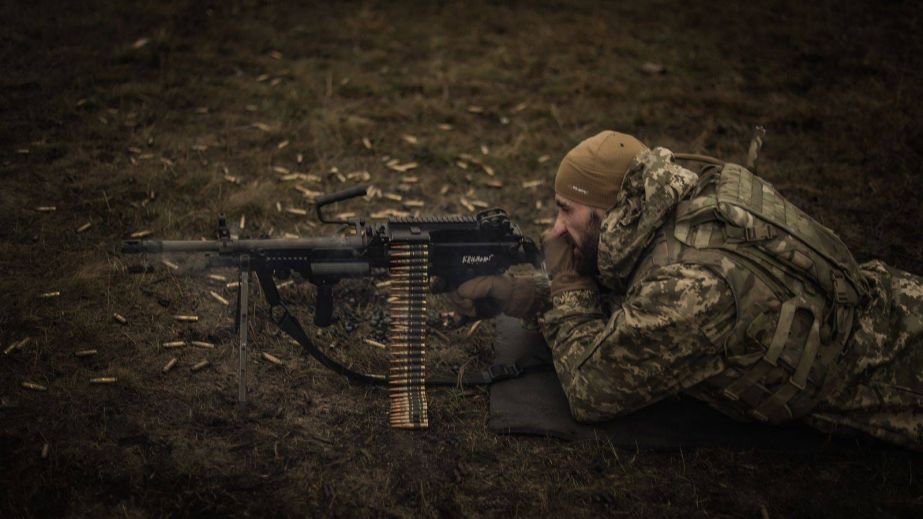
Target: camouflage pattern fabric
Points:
(661, 337)
(881, 390)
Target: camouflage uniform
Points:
(686, 324)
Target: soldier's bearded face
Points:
(581, 223)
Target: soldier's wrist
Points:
(567, 281)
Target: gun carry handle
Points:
(323, 309)
(339, 196)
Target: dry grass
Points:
(108, 120)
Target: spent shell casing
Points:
(45, 449)
(103, 380)
(169, 365)
(233, 284)
(217, 277)
(17, 345)
(218, 297)
(375, 343)
(47, 295)
(174, 344)
(85, 353)
(33, 386)
(202, 344)
(272, 358)
(474, 327)
(84, 227)
(200, 365)
(141, 234)
(119, 318)
(187, 318)
(170, 264)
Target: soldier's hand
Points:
(485, 297)
(559, 253)
(561, 264)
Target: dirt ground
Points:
(132, 116)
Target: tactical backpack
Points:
(795, 284)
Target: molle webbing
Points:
(783, 267)
(767, 204)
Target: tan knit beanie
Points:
(592, 172)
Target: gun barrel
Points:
(239, 246)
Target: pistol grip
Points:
(323, 310)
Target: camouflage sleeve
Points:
(661, 340)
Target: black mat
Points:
(535, 404)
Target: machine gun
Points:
(411, 251)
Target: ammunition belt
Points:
(408, 270)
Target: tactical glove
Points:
(488, 296)
(561, 265)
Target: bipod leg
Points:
(243, 306)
